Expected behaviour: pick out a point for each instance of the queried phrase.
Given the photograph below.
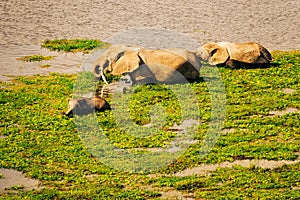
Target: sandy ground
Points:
(24, 24)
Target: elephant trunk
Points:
(202, 54)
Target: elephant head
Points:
(84, 106)
(229, 53)
(111, 54)
(159, 65)
(214, 53)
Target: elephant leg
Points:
(233, 64)
(189, 72)
(143, 75)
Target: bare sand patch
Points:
(284, 112)
(175, 194)
(231, 130)
(288, 91)
(207, 169)
(14, 178)
(228, 130)
(274, 113)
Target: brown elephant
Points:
(84, 106)
(108, 57)
(150, 65)
(235, 55)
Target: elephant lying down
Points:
(84, 106)
(235, 55)
(148, 66)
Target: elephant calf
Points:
(235, 55)
(84, 106)
(149, 66)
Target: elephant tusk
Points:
(102, 76)
(105, 81)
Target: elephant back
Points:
(166, 63)
(250, 52)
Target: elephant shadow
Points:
(244, 65)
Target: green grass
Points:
(35, 58)
(46, 145)
(73, 45)
(239, 183)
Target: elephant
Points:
(149, 65)
(84, 106)
(108, 57)
(235, 55)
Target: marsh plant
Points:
(74, 45)
(35, 58)
(46, 145)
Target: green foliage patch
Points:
(45, 144)
(73, 45)
(239, 183)
(35, 58)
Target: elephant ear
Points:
(126, 61)
(250, 52)
(99, 66)
(265, 53)
(217, 53)
(111, 53)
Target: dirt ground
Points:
(24, 24)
